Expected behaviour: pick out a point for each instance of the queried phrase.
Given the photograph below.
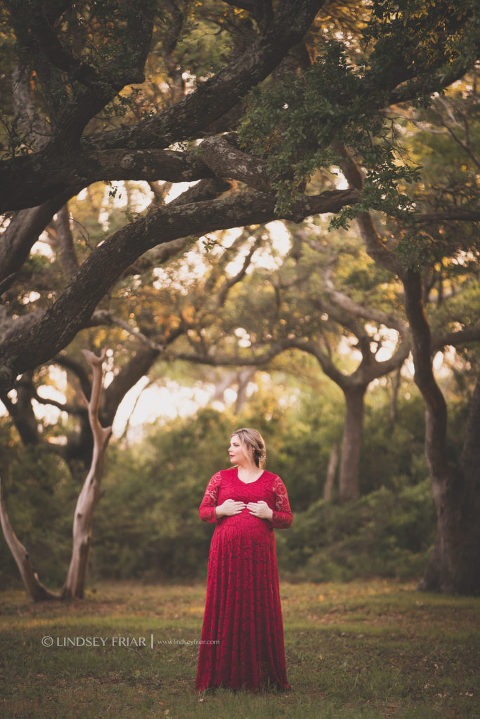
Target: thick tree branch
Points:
(64, 238)
(74, 307)
(35, 131)
(374, 245)
(184, 120)
(21, 411)
(213, 98)
(90, 88)
(225, 160)
(436, 414)
(453, 339)
(33, 180)
(23, 231)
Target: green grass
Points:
(364, 649)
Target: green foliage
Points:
(146, 525)
(386, 533)
(296, 124)
(393, 452)
(202, 49)
(40, 497)
(445, 140)
(422, 35)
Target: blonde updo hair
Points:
(253, 442)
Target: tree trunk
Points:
(351, 442)
(453, 566)
(30, 579)
(244, 376)
(89, 496)
(21, 411)
(331, 471)
(82, 524)
(393, 410)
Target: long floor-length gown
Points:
(242, 635)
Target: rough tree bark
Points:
(453, 566)
(75, 582)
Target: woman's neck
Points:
(247, 466)
(248, 470)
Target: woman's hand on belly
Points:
(229, 508)
(260, 509)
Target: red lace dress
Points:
(242, 635)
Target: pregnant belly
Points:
(244, 526)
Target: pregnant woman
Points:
(242, 635)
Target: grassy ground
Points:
(364, 649)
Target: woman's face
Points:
(237, 451)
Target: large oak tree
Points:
(71, 61)
(292, 83)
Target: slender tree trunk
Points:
(348, 484)
(396, 381)
(89, 496)
(33, 585)
(244, 377)
(331, 471)
(82, 524)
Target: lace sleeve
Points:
(282, 514)
(209, 501)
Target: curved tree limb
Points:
(57, 326)
(36, 590)
(23, 231)
(187, 119)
